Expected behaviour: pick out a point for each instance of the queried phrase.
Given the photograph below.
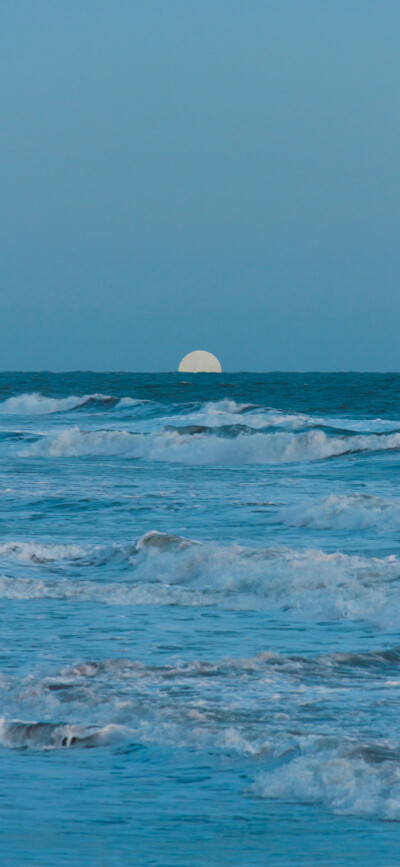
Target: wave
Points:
(171, 570)
(195, 704)
(227, 413)
(363, 425)
(198, 449)
(370, 660)
(322, 668)
(37, 404)
(295, 753)
(42, 553)
(345, 512)
(93, 555)
(50, 736)
(346, 777)
(211, 414)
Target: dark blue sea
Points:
(200, 610)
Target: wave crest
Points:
(170, 570)
(37, 404)
(348, 778)
(345, 512)
(197, 449)
(50, 736)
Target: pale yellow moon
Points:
(200, 362)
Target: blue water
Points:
(200, 607)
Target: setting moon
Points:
(200, 361)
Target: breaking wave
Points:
(197, 449)
(346, 777)
(170, 570)
(41, 553)
(96, 555)
(211, 414)
(194, 704)
(49, 736)
(227, 413)
(296, 755)
(345, 512)
(37, 404)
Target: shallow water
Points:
(200, 606)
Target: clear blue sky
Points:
(183, 174)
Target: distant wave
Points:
(187, 417)
(224, 413)
(198, 449)
(37, 404)
(171, 570)
(345, 512)
(212, 414)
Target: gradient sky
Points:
(183, 174)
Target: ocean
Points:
(200, 608)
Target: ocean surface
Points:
(200, 609)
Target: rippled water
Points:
(200, 582)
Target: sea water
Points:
(200, 607)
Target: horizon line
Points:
(121, 371)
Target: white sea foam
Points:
(345, 512)
(341, 775)
(37, 404)
(167, 570)
(195, 704)
(42, 553)
(50, 736)
(228, 413)
(210, 414)
(128, 402)
(200, 704)
(115, 593)
(197, 449)
(364, 425)
(37, 552)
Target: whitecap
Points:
(197, 449)
(358, 511)
(347, 777)
(163, 569)
(49, 736)
(37, 404)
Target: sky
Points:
(200, 174)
